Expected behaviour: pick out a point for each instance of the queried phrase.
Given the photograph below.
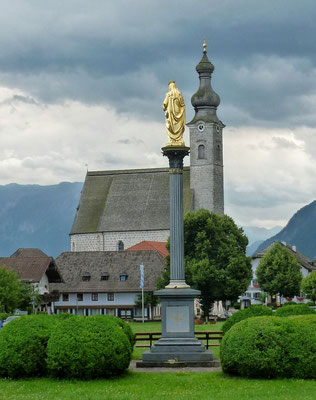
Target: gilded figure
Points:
(174, 109)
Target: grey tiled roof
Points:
(73, 265)
(32, 269)
(130, 200)
(301, 258)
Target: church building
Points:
(118, 209)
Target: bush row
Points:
(259, 310)
(269, 347)
(65, 346)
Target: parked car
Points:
(9, 319)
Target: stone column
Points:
(176, 156)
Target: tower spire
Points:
(205, 101)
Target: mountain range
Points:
(41, 217)
(300, 231)
(37, 216)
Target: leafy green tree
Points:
(149, 299)
(14, 293)
(279, 272)
(215, 258)
(308, 286)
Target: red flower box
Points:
(288, 298)
(300, 298)
(256, 285)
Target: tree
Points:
(308, 286)
(279, 272)
(14, 293)
(215, 258)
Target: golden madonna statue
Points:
(174, 109)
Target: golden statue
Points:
(174, 109)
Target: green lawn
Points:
(176, 385)
(170, 385)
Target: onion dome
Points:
(205, 100)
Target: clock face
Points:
(201, 127)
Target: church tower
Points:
(206, 144)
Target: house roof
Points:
(29, 252)
(32, 269)
(151, 245)
(301, 258)
(127, 200)
(74, 265)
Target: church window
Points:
(110, 296)
(123, 277)
(218, 153)
(73, 245)
(86, 278)
(201, 151)
(120, 245)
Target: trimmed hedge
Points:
(122, 324)
(88, 348)
(298, 309)
(23, 346)
(269, 347)
(252, 311)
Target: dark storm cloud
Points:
(123, 53)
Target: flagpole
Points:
(143, 304)
(141, 269)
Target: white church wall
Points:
(109, 241)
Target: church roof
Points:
(151, 245)
(96, 264)
(127, 200)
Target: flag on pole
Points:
(141, 268)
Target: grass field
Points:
(160, 386)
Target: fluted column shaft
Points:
(176, 156)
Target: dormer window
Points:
(86, 278)
(105, 277)
(123, 277)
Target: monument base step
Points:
(178, 364)
(174, 355)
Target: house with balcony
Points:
(253, 293)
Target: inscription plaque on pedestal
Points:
(177, 319)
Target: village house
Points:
(253, 293)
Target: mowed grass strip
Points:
(174, 385)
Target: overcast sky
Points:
(82, 82)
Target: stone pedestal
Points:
(177, 342)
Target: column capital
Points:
(175, 155)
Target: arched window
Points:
(201, 151)
(120, 245)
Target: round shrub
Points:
(269, 347)
(87, 348)
(122, 324)
(252, 311)
(23, 346)
(299, 309)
